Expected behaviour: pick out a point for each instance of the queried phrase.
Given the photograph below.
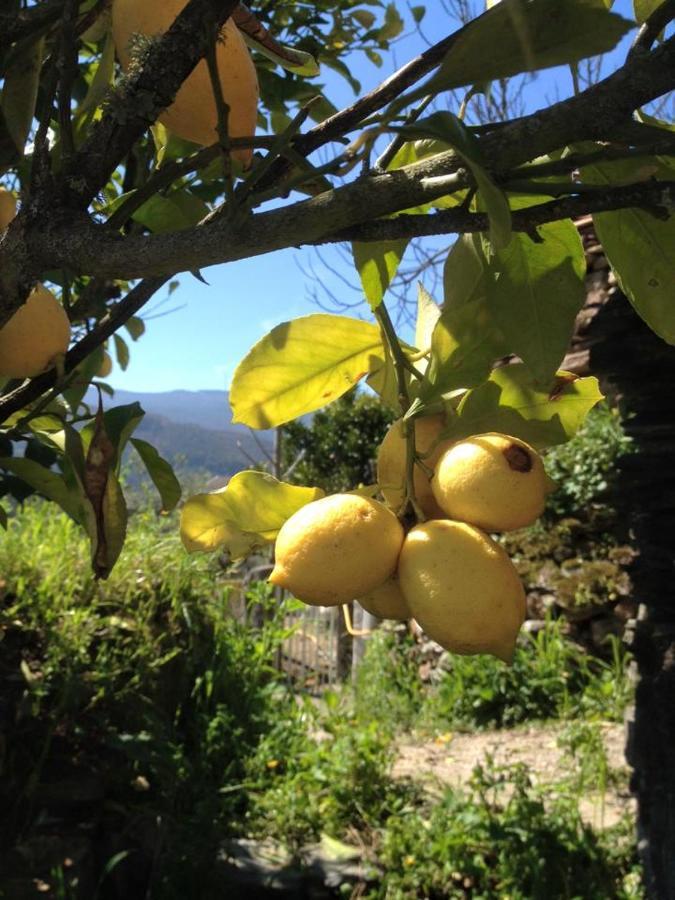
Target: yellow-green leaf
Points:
(301, 366)
(377, 262)
(510, 402)
(246, 514)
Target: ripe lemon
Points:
(391, 463)
(336, 549)
(35, 336)
(7, 208)
(494, 481)
(386, 601)
(193, 116)
(462, 588)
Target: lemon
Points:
(494, 481)
(462, 588)
(193, 116)
(336, 549)
(391, 463)
(7, 208)
(386, 601)
(36, 335)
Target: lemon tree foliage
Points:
(246, 514)
(127, 156)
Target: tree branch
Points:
(657, 197)
(143, 97)
(118, 315)
(652, 28)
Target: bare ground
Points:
(450, 758)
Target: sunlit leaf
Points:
(526, 35)
(246, 514)
(377, 263)
(451, 131)
(428, 314)
(534, 292)
(640, 247)
(161, 473)
(512, 403)
(297, 61)
(301, 366)
(644, 8)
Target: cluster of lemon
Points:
(446, 572)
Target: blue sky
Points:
(195, 338)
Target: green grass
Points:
(147, 686)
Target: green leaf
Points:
(161, 472)
(512, 403)
(447, 128)
(180, 209)
(393, 24)
(377, 263)
(121, 352)
(50, 484)
(3, 518)
(535, 290)
(640, 247)
(120, 422)
(526, 35)
(296, 61)
(301, 366)
(105, 554)
(100, 83)
(644, 8)
(428, 314)
(19, 93)
(246, 514)
(135, 326)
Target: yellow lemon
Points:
(192, 116)
(391, 463)
(494, 481)
(336, 549)
(386, 601)
(35, 336)
(462, 588)
(7, 208)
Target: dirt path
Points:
(450, 759)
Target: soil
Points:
(450, 758)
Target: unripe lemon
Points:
(106, 366)
(7, 208)
(494, 481)
(391, 463)
(386, 601)
(193, 115)
(336, 549)
(35, 336)
(462, 588)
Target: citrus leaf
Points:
(526, 35)
(428, 314)
(534, 292)
(50, 484)
(19, 93)
(512, 403)
(161, 472)
(640, 247)
(644, 8)
(121, 352)
(451, 131)
(297, 61)
(135, 326)
(301, 366)
(105, 552)
(377, 263)
(246, 514)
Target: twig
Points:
(383, 162)
(223, 114)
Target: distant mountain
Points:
(193, 430)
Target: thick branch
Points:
(656, 197)
(145, 94)
(589, 116)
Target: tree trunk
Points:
(613, 343)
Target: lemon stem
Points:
(400, 367)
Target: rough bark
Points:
(613, 343)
